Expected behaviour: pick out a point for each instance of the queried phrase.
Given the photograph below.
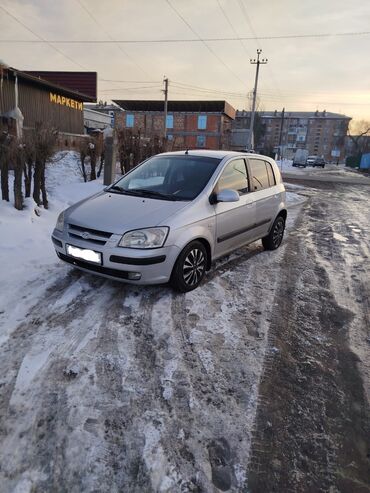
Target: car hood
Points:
(117, 213)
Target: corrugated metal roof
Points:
(180, 106)
(294, 114)
(81, 84)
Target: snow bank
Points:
(25, 245)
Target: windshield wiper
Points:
(115, 187)
(153, 193)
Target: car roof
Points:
(210, 153)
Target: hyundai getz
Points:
(172, 215)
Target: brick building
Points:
(190, 124)
(321, 133)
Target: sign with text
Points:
(69, 102)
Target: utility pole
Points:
(257, 62)
(281, 132)
(165, 90)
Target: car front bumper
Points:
(135, 266)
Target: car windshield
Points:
(168, 177)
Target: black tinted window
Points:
(260, 179)
(234, 177)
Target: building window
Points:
(170, 137)
(129, 120)
(202, 122)
(201, 140)
(169, 121)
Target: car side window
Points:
(234, 177)
(260, 178)
(270, 174)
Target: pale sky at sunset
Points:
(304, 74)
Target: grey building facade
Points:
(321, 133)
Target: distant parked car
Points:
(171, 216)
(300, 158)
(316, 162)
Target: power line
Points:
(249, 24)
(40, 38)
(231, 25)
(129, 88)
(89, 13)
(133, 81)
(187, 40)
(203, 41)
(218, 95)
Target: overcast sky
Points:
(305, 74)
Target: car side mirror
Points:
(227, 195)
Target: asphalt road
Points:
(258, 381)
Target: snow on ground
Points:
(109, 351)
(287, 168)
(26, 251)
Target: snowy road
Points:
(111, 388)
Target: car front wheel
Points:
(190, 267)
(273, 240)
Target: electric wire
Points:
(203, 41)
(250, 26)
(40, 38)
(90, 14)
(190, 40)
(232, 27)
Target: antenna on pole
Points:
(258, 62)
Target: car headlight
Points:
(144, 238)
(60, 222)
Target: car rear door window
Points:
(260, 178)
(270, 174)
(234, 177)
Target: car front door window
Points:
(234, 177)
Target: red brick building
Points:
(190, 124)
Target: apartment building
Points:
(321, 133)
(190, 124)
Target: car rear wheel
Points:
(190, 267)
(273, 240)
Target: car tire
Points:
(273, 240)
(190, 267)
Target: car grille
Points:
(94, 268)
(89, 235)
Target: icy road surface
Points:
(254, 382)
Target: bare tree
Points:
(95, 149)
(101, 164)
(4, 165)
(43, 140)
(134, 148)
(359, 130)
(18, 162)
(83, 149)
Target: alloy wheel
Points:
(193, 267)
(277, 235)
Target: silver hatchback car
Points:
(171, 216)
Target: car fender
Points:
(204, 230)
